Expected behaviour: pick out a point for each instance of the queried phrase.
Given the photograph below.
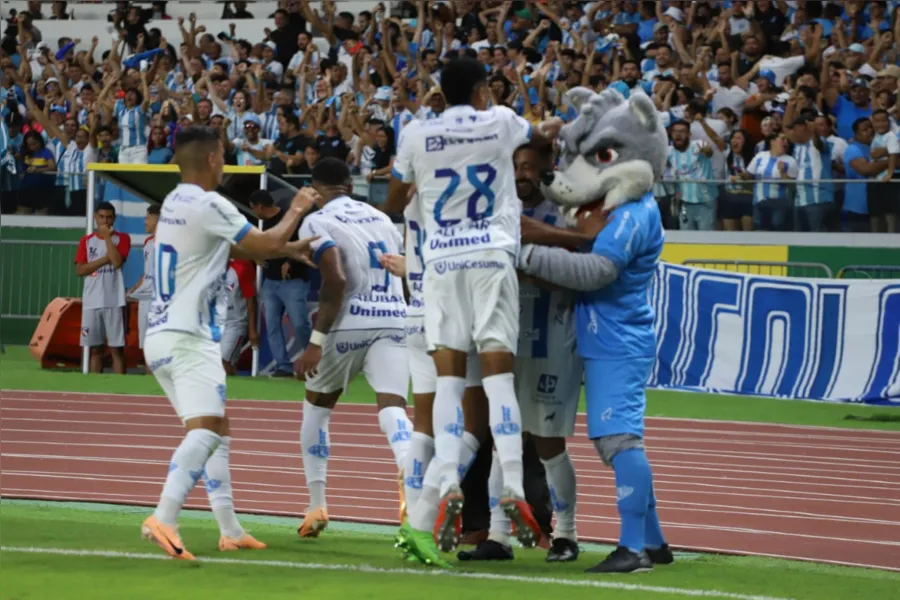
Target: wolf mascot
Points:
(611, 155)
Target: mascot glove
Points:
(525, 255)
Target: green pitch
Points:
(82, 551)
(95, 552)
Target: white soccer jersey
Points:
(145, 290)
(461, 163)
(546, 318)
(193, 239)
(373, 298)
(415, 268)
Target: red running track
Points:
(809, 493)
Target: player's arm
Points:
(402, 175)
(83, 268)
(586, 271)
(331, 299)
(544, 234)
(253, 244)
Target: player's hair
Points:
(261, 198)
(460, 79)
(331, 171)
(106, 206)
(153, 209)
(193, 144)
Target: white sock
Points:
(398, 428)
(423, 515)
(421, 450)
(447, 416)
(217, 479)
(470, 446)
(500, 523)
(506, 425)
(316, 448)
(561, 481)
(185, 470)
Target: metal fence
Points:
(33, 273)
(869, 272)
(780, 269)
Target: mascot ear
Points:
(642, 107)
(577, 96)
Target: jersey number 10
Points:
(166, 262)
(482, 190)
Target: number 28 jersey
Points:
(193, 240)
(461, 163)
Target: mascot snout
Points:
(547, 177)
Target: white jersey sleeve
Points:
(518, 130)
(403, 166)
(315, 227)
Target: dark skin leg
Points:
(424, 404)
(548, 448)
(218, 425)
(118, 358)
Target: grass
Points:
(356, 562)
(19, 371)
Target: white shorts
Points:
(548, 390)
(380, 354)
(472, 298)
(103, 327)
(421, 365)
(143, 313)
(189, 370)
(233, 337)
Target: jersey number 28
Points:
(482, 190)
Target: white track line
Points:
(363, 408)
(450, 574)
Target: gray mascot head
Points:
(612, 153)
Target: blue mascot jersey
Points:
(617, 321)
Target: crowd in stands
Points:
(765, 100)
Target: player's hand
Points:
(286, 270)
(551, 127)
(309, 361)
(253, 336)
(103, 232)
(305, 200)
(395, 264)
(301, 251)
(591, 223)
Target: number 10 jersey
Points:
(193, 240)
(461, 163)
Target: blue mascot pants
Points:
(614, 392)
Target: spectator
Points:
(36, 164)
(858, 165)
(773, 200)
(692, 160)
(99, 260)
(737, 208)
(284, 290)
(158, 151)
(813, 156)
(884, 198)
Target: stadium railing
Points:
(869, 272)
(774, 268)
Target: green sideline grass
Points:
(355, 562)
(19, 371)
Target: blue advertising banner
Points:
(820, 339)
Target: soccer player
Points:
(616, 338)
(548, 380)
(198, 230)
(142, 291)
(461, 164)
(99, 260)
(240, 319)
(359, 327)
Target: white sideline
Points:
(586, 583)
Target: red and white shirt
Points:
(145, 290)
(240, 284)
(105, 287)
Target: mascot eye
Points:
(607, 155)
